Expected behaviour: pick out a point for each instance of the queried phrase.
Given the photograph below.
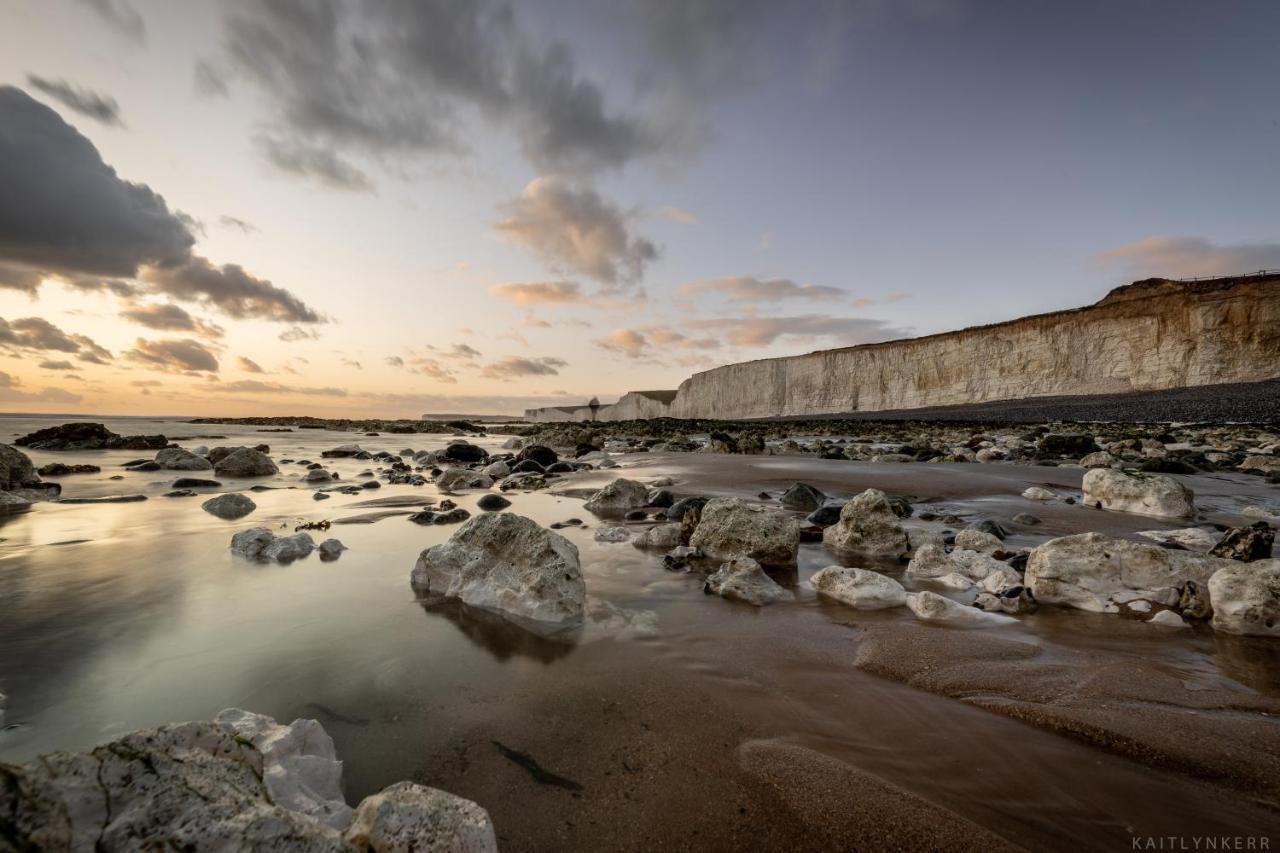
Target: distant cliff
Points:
(1150, 335)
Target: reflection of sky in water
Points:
(151, 619)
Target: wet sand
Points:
(797, 726)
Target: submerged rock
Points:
(331, 549)
(259, 543)
(859, 588)
(729, 529)
(868, 525)
(1246, 598)
(1136, 492)
(612, 534)
(506, 563)
(229, 506)
(803, 497)
(743, 579)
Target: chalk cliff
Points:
(1149, 335)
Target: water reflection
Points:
(500, 636)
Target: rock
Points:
(1040, 494)
(57, 469)
(660, 499)
(498, 470)
(528, 466)
(177, 459)
(88, 436)
(146, 465)
(506, 563)
(663, 536)
(1071, 445)
(729, 529)
(931, 607)
(245, 462)
(300, 768)
(974, 565)
(1168, 619)
(331, 549)
(229, 506)
(180, 493)
(678, 510)
(978, 540)
(1262, 463)
(992, 527)
(538, 453)
(743, 579)
(612, 534)
(343, 451)
(803, 497)
(259, 543)
(1000, 581)
(868, 525)
(1246, 598)
(930, 561)
(16, 470)
(1246, 544)
(456, 515)
(618, 497)
(319, 496)
(825, 515)
(1026, 518)
(13, 503)
(1091, 571)
(105, 499)
(525, 482)
(513, 443)
(318, 475)
(454, 479)
(461, 451)
(859, 588)
(1191, 538)
(954, 580)
(1098, 459)
(412, 818)
(492, 503)
(1144, 494)
(194, 483)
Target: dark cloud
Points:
(297, 333)
(182, 356)
(20, 278)
(248, 365)
(457, 351)
(1189, 257)
(514, 367)
(64, 212)
(575, 229)
(120, 15)
(50, 364)
(232, 290)
(167, 317)
(395, 78)
(296, 157)
(208, 80)
(103, 108)
(236, 222)
(36, 334)
(394, 361)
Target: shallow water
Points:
(119, 616)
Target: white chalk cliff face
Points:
(1151, 335)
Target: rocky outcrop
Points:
(508, 564)
(239, 782)
(1153, 334)
(88, 436)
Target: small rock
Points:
(229, 506)
(744, 580)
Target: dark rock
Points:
(460, 451)
(901, 507)
(810, 533)
(453, 516)
(1166, 466)
(195, 483)
(636, 515)
(680, 508)
(660, 498)
(561, 468)
(1246, 544)
(1026, 518)
(528, 466)
(492, 503)
(109, 499)
(540, 453)
(1069, 444)
(992, 527)
(180, 493)
(57, 469)
(16, 470)
(802, 496)
(148, 465)
(826, 515)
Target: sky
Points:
(385, 208)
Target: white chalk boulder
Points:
(1138, 492)
(743, 579)
(730, 529)
(859, 588)
(1246, 598)
(868, 525)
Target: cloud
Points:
(297, 157)
(39, 335)
(675, 214)
(431, 368)
(66, 213)
(392, 79)
(120, 15)
(640, 343)
(575, 229)
(297, 333)
(167, 317)
(20, 278)
(394, 361)
(231, 289)
(248, 365)
(49, 364)
(239, 224)
(174, 355)
(512, 367)
(11, 391)
(1189, 257)
(539, 292)
(102, 108)
(255, 386)
(463, 351)
(351, 362)
(761, 331)
(745, 288)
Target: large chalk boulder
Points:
(618, 497)
(1246, 598)
(859, 588)
(509, 564)
(868, 525)
(931, 607)
(743, 579)
(1138, 492)
(729, 529)
(1092, 571)
(416, 819)
(245, 462)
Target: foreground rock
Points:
(239, 782)
(230, 506)
(19, 483)
(509, 564)
(1246, 598)
(1091, 571)
(1136, 492)
(743, 579)
(859, 588)
(729, 529)
(868, 525)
